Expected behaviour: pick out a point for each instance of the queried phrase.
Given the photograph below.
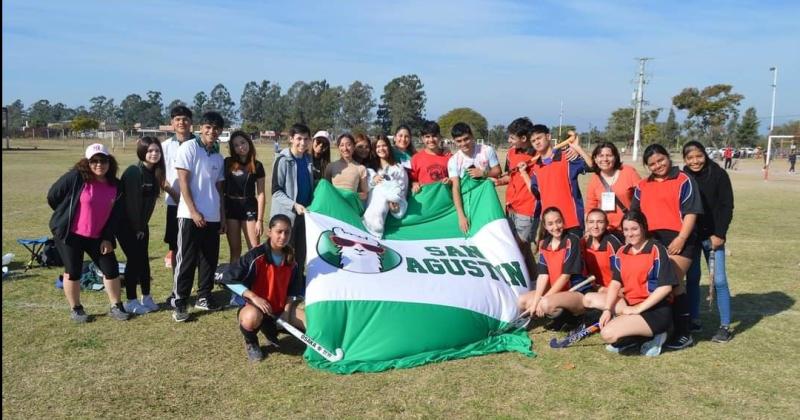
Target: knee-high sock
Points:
(680, 314)
(250, 337)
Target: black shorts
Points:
(667, 236)
(241, 209)
(659, 317)
(72, 250)
(171, 229)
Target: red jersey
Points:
(642, 273)
(623, 189)
(598, 261)
(664, 202)
(519, 198)
(427, 168)
(258, 272)
(566, 259)
(555, 180)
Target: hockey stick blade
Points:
(331, 357)
(517, 323)
(575, 337)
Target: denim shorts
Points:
(524, 227)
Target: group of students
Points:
(207, 195)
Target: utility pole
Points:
(774, 71)
(638, 117)
(560, 120)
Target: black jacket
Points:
(63, 198)
(141, 190)
(716, 193)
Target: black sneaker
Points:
(78, 315)
(623, 344)
(180, 314)
(206, 304)
(723, 335)
(117, 312)
(680, 342)
(563, 322)
(696, 327)
(254, 353)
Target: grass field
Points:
(154, 367)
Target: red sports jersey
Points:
(271, 282)
(564, 260)
(556, 183)
(665, 202)
(519, 198)
(642, 273)
(598, 261)
(427, 168)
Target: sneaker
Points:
(652, 348)
(254, 353)
(696, 327)
(78, 315)
(723, 335)
(680, 342)
(621, 345)
(117, 312)
(180, 314)
(206, 304)
(149, 303)
(132, 306)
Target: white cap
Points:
(94, 149)
(323, 133)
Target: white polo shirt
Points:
(484, 157)
(170, 150)
(205, 170)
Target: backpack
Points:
(49, 256)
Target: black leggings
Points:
(72, 250)
(137, 268)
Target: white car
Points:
(225, 136)
(713, 153)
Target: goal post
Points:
(768, 155)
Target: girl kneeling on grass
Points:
(642, 267)
(264, 278)
(599, 246)
(559, 267)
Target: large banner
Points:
(423, 293)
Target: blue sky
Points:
(503, 58)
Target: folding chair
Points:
(34, 246)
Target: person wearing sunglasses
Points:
(86, 210)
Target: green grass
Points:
(154, 367)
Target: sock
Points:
(681, 316)
(250, 337)
(270, 330)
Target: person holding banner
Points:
(643, 271)
(611, 190)
(404, 146)
(477, 160)
(346, 173)
(560, 266)
(598, 246)
(388, 187)
(264, 277)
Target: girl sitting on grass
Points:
(599, 245)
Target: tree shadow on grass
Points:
(747, 310)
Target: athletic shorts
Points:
(241, 209)
(524, 227)
(72, 250)
(659, 317)
(667, 236)
(171, 229)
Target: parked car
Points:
(713, 153)
(225, 136)
(747, 152)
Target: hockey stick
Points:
(533, 159)
(331, 357)
(575, 337)
(711, 267)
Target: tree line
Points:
(712, 113)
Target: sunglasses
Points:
(98, 161)
(347, 242)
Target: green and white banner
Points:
(423, 293)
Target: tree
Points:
(565, 129)
(40, 113)
(314, 104)
(747, 133)
(151, 115)
(200, 104)
(402, 102)
(732, 129)
(16, 116)
(622, 122)
(357, 104)
(671, 129)
(274, 106)
(103, 109)
(474, 119)
(791, 128)
(497, 135)
(130, 111)
(651, 133)
(710, 108)
(84, 123)
(220, 100)
(251, 107)
(168, 108)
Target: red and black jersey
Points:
(258, 272)
(555, 182)
(564, 260)
(665, 201)
(519, 197)
(598, 261)
(642, 273)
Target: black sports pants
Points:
(197, 247)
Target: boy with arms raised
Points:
(429, 165)
(477, 160)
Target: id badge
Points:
(608, 201)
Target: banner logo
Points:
(356, 252)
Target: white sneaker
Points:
(132, 306)
(652, 348)
(149, 303)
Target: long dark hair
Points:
(543, 233)
(694, 144)
(159, 168)
(288, 251)
(250, 160)
(82, 166)
(411, 150)
(653, 149)
(639, 218)
(376, 161)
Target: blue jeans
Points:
(722, 293)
